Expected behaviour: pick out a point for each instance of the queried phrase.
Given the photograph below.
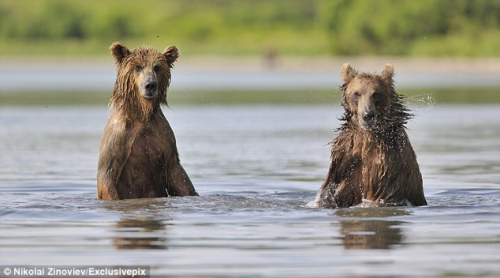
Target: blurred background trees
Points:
(424, 27)
(239, 27)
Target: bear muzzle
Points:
(150, 89)
(367, 120)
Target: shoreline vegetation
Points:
(461, 28)
(458, 37)
(414, 97)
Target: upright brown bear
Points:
(372, 158)
(137, 153)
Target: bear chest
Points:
(150, 148)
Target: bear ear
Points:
(387, 73)
(171, 53)
(119, 51)
(348, 73)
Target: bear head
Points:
(142, 73)
(370, 101)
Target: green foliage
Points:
(414, 97)
(406, 27)
(198, 26)
(295, 27)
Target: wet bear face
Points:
(144, 70)
(367, 98)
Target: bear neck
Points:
(135, 109)
(393, 136)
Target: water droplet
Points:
(424, 101)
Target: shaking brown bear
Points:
(137, 153)
(372, 158)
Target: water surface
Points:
(256, 168)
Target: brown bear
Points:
(372, 160)
(137, 152)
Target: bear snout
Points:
(151, 86)
(151, 89)
(368, 115)
(367, 120)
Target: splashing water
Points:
(422, 102)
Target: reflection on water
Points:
(370, 234)
(143, 223)
(369, 228)
(140, 233)
(256, 168)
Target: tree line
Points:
(346, 27)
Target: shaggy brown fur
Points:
(137, 153)
(372, 158)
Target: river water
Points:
(255, 168)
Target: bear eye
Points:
(356, 95)
(138, 68)
(156, 68)
(377, 96)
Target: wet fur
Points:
(372, 158)
(138, 155)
